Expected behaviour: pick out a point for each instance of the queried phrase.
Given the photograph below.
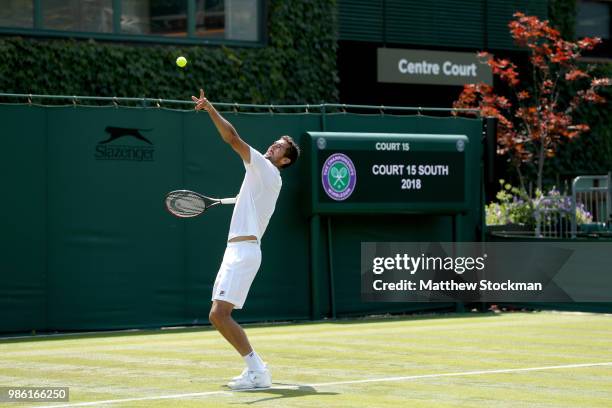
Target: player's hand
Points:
(201, 102)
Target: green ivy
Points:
(562, 15)
(591, 153)
(298, 64)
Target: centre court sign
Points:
(431, 67)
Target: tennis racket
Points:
(188, 204)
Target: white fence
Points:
(594, 193)
(556, 216)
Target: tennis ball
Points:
(181, 61)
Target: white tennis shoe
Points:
(244, 372)
(251, 379)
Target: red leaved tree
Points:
(533, 119)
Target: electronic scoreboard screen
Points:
(388, 172)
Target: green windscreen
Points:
(87, 243)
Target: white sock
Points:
(254, 362)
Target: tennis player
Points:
(254, 207)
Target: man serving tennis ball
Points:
(254, 207)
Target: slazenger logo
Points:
(338, 176)
(108, 149)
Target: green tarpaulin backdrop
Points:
(87, 244)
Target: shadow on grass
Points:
(372, 319)
(281, 393)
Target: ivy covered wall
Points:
(297, 65)
(591, 153)
(562, 14)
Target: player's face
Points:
(277, 150)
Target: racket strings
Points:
(185, 204)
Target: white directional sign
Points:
(431, 67)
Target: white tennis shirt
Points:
(257, 198)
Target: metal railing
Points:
(158, 102)
(558, 216)
(553, 217)
(594, 195)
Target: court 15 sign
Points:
(431, 67)
(370, 172)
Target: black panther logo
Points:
(117, 132)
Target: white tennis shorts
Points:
(240, 265)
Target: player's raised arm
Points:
(226, 130)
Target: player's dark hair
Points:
(292, 152)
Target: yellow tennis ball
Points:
(181, 61)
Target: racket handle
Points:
(228, 200)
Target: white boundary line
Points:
(502, 371)
(372, 380)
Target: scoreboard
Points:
(387, 172)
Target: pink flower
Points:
(575, 74)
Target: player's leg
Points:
(221, 317)
(238, 269)
(256, 375)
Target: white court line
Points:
(502, 371)
(372, 380)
